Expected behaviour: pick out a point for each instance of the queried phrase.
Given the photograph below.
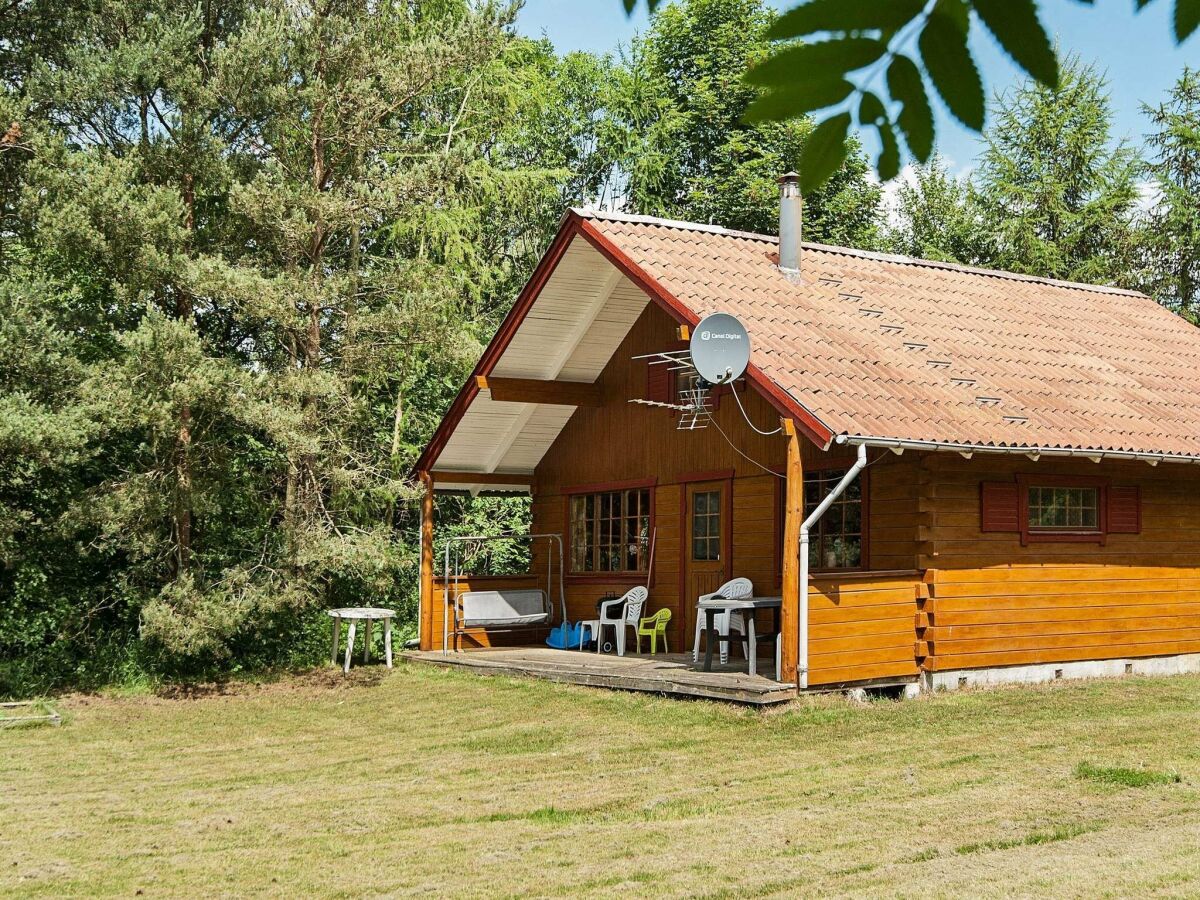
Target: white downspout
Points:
(859, 465)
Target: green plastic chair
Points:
(654, 627)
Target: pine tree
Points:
(279, 230)
(1058, 199)
(1173, 232)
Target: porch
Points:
(670, 674)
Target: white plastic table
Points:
(354, 615)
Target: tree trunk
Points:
(306, 497)
(184, 310)
(397, 433)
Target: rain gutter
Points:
(967, 449)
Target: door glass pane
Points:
(706, 525)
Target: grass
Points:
(1122, 777)
(432, 781)
(1033, 839)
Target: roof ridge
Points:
(672, 223)
(894, 258)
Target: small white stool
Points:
(354, 615)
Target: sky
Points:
(1136, 51)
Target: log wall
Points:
(994, 602)
(861, 627)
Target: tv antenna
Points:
(718, 353)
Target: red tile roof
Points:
(890, 347)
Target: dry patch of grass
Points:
(435, 781)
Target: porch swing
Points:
(504, 609)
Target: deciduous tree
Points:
(935, 216)
(687, 151)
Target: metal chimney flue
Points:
(791, 215)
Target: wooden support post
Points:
(793, 516)
(427, 562)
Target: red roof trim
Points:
(574, 224)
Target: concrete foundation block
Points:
(1043, 672)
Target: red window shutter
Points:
(1125, 510)
(658, 382)
(999, 507)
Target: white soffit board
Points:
(582, 315)
(534, 438)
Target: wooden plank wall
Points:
(623, 441)
(994, 602)
(861, 627)
(582, 593)
(756, 536)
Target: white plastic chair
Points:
(634, 600)
(727, 621)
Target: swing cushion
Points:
(484, 609)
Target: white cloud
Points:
(1149, 196)
(891, 193)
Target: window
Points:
(836, 540)
(1060, 508)
(610, 531)
(706, 525)
(1053, 508)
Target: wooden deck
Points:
(672, 674)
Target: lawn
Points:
(424, 780)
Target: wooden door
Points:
(706, 531)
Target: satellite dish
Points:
(720, 348)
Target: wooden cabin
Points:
(1029, 505)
